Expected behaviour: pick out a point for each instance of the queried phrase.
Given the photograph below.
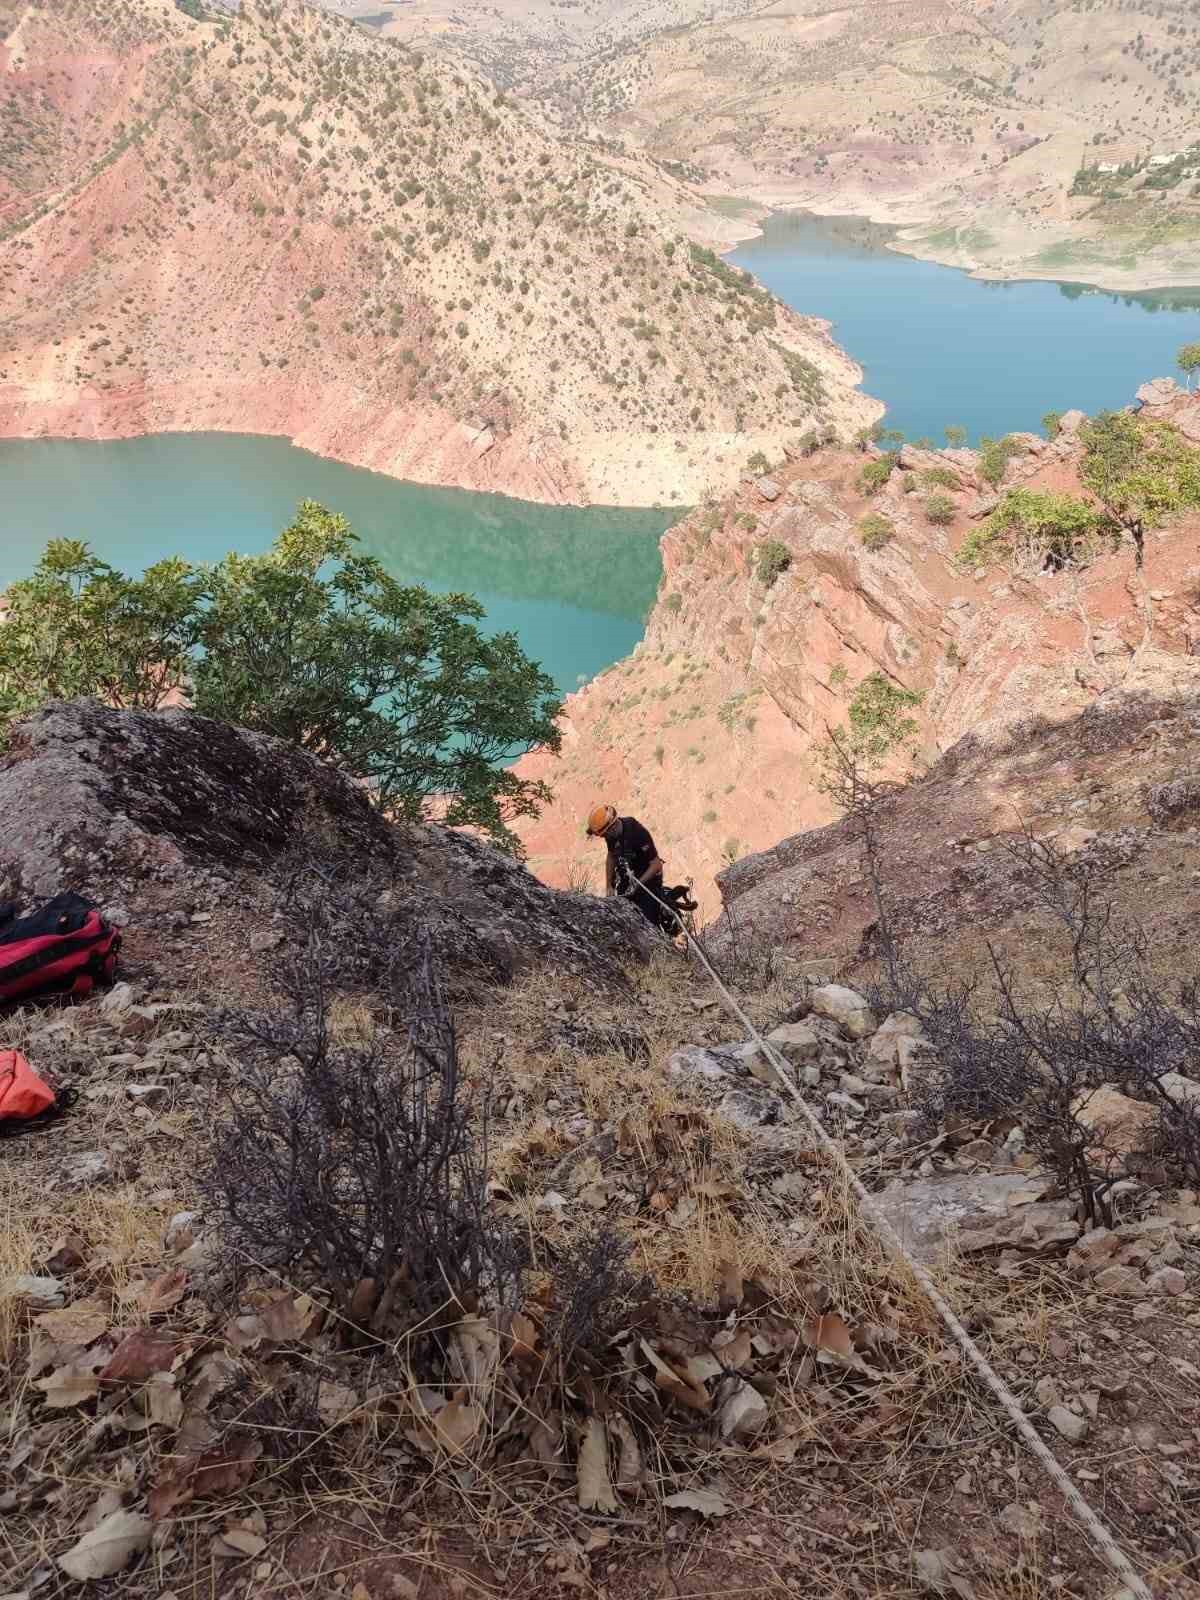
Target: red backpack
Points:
(66, 948)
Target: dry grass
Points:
(856, 1471)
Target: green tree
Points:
(1052, 424)
(956, 437)
(311, 642)
(849, 760)
(1143, 472)
(1188, 361)
(77, 626)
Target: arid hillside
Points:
(778, 602)
(966, 120)
(274, 222)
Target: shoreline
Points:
(1106, 281)
(584, 466)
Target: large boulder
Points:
(158, 810)
(1121, 1126)
(845, 1007)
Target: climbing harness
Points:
(1100, 1535)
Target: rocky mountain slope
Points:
(700, 1345)
(967, 118)
(273, 222)
(708, 731)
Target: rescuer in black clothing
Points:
(634, 867)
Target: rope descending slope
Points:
(1097, 1531)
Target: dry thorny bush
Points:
(1005, 1056)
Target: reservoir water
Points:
(575, 585)
(939, 347)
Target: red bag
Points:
(22, 1092)
(66, 948)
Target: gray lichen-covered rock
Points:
(146, 806)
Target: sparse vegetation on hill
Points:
(272, 219)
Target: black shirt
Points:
(634, 848)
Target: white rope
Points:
(1100, 1535)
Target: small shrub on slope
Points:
(876, 473)
(1033, 524)
(772, 560)
(876, 531)
(939, 509)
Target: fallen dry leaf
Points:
(457, 1423)
(69, 1386)
(243, 1333)
(227, 1468)
(71, 1251)
(730, 1296)
(782, 1450)
(335, 1402)
(285, 1319)
(244, 1543)
(594, 1488)
(523, 1334)
(629, 1461)
(164, 1403)
(829, 1333)
(706, 1501)
(138, 1355)
(941, 1571)
(164, 1293)
(475, 1352)
(80, 1324)
(673, 1384)
(736, 1351)
(108, 1548)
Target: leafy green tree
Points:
(956, 437)
(878, 718)
(77, 626)
(1188, 361)
(1143, 472)
(311, 642)
(1052, 424)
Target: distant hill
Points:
(273, 221)
(970, 118)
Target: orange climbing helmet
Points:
(600, 819)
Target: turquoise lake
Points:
(939, 347)
(575, 585)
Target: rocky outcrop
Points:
(709, 730)
(161, 815)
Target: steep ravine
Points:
(707, 730)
